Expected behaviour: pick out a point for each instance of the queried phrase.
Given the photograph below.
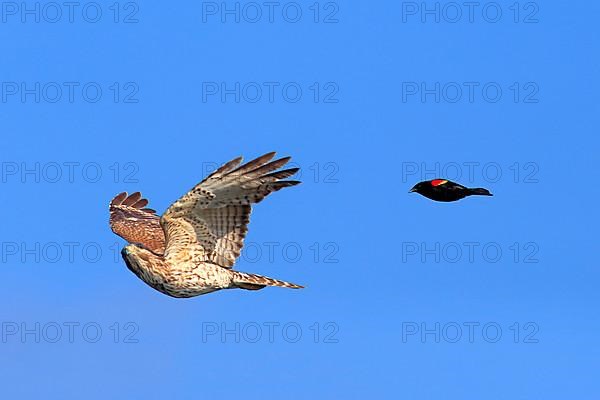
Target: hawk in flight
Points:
(191, 249)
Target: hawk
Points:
(190, 250)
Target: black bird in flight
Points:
(445, 190)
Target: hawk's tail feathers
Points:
(247, 281)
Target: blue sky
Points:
(484, 298)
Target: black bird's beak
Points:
(412, 190)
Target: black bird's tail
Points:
(479, 192)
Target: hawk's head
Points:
(145, 264)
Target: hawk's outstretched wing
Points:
(130, 219)
(209, 223)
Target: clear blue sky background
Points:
(370, 142)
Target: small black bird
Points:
(445, 190)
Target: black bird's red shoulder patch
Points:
(438, 182)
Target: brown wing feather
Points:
(133, 222)
(209, 223)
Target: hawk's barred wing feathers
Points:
(209, 223)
